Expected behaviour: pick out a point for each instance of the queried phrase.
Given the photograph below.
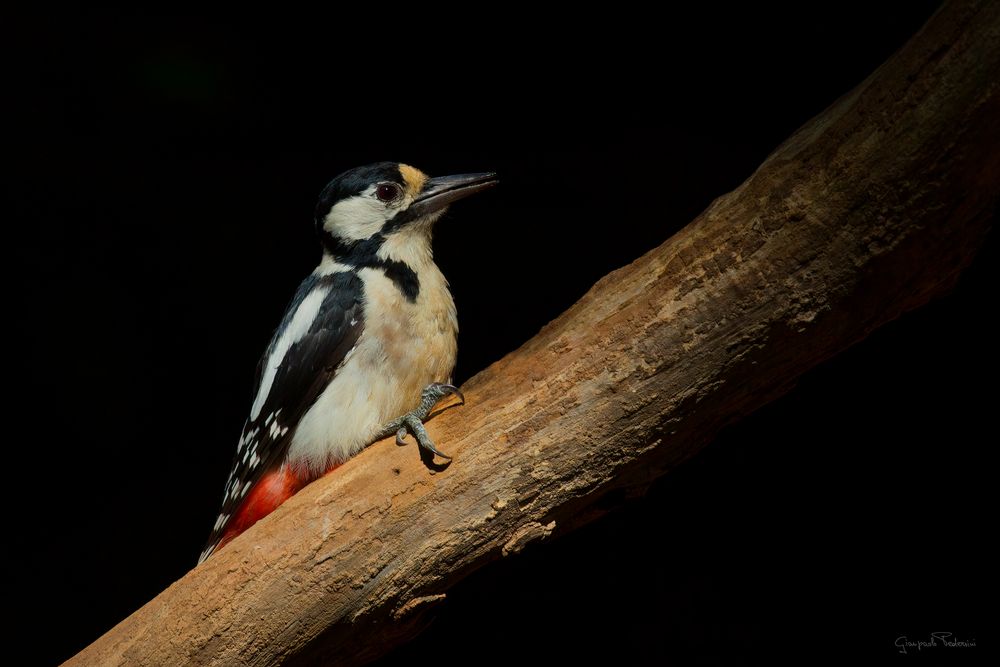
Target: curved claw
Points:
(452, 389)
(429, 446)
(416, 427)
(438, 390)
(401, 436)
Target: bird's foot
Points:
(413, 422)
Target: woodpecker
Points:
(365, 349)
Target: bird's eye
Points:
(387, 192)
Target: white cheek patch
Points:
(357, 218)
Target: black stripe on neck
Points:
(364, 254)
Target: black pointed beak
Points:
(443, 190)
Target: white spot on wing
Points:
(299, 325)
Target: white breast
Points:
(403, 348)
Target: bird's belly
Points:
(404, 347)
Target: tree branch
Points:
(870, 210)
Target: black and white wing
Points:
(322, 324)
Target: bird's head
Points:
(363, 209)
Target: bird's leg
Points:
(414, 421)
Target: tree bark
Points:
(871, 209)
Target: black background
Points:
(165, 170)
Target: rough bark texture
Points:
(870, 210)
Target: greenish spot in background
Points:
(182, 77)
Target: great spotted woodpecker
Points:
(369, 335)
